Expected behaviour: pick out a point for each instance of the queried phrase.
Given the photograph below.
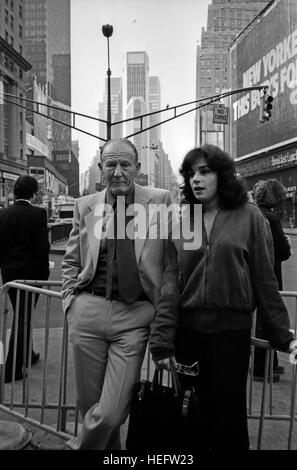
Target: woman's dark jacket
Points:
(281, 245)
(224, 280)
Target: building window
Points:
(11, 41)
(21, 49)
(21, 136)
(21, 74)
(20, 11)
(61, 158)
(6, 36)
(6, 17)
(11, 4)
(11, 22)
(20, 31)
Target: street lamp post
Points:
(107, 31)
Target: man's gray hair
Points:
(123, 140)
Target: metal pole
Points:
(108, 135)
(107, 31)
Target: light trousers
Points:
(109, 340)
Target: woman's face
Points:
(204, 182)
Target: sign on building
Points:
(220, 114)
(265, 55)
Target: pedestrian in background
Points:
(116, 292)
(24, 254)
(268, 195)
(221, 284)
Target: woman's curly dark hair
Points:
(269, 193)
(231, 189)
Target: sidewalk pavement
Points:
(290, 231)
(58, 248)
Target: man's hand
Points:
(165, 363)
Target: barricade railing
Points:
(59, 232)
(59, 426)
(266, 406)
(33, 289)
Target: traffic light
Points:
(265, 107)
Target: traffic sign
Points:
(220, 114)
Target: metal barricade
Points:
(61, 408)
(25, 404)
(267, 408)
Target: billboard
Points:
(266, 55)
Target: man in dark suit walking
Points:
(24, 252)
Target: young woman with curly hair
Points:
(268, 195)
(221, 284)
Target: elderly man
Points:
(117, 292)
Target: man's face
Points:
(119, 168)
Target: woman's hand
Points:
(293, 345)
(293, 351)
(165, 363)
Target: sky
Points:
(168, 30)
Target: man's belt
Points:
(114, 295)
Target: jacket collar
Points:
(23, 202)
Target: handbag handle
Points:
(158, 379)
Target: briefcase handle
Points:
(158, 379)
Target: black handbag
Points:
(163, 417)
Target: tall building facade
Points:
(47, 44)
(47, 47)
(116, 108)
(136, 76)
(155, 105)
(136, 103)
(13, 66)
(66, 162)
(166, 176)
(226, 19)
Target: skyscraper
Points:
(155, 105)
(47, 47)
(136, 103)
(116, 108)
(136, 76)
(13, 66)
(226, 18)
(47, 44)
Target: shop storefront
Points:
(7, 181)
(280, 165)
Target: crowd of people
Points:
(121, 290)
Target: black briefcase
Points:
(163, 417)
